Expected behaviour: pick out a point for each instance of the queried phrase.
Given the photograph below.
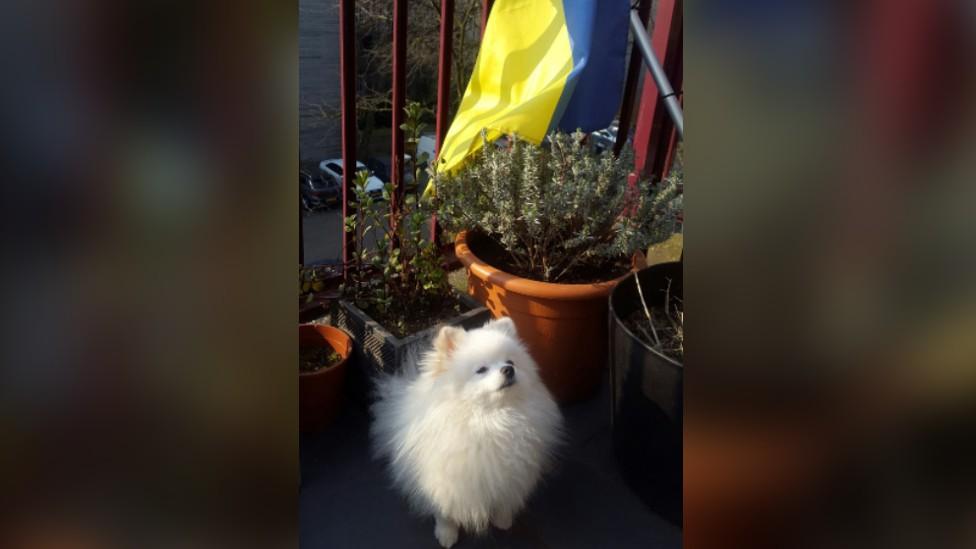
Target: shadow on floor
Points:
(346, 500)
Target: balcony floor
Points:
(347, 501)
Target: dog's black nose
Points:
(508, 371)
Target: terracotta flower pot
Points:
(563, 325)
(320, 392)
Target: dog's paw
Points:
(446, 533)
(502, 520)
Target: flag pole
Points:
(643, 42)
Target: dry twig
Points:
(676, 326)
(647, 312)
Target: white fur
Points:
(460, 446)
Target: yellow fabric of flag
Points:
(517, 81)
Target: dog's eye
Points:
(481, 370)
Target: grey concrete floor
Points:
(346, 500)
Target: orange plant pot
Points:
(564, 326)
(320, 392)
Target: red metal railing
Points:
(347, 100)
(444, 82)
(399, 100)
(654, 139)
(485, 10)
(634, 70)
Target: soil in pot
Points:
(323, 353)
(493, 253)
(381, 350)
(665, 324)
(402, 321)
(317, 358)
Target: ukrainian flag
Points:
(543, 65)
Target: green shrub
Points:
(398, 279)
(557, 210)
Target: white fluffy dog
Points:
(469, 435)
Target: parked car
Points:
(379, 168)
(333, 169)
(409, 184)
(604, 139)
(426, 146)
(425, 155)
(316, 192)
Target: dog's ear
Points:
(504, 325)
(446, 341)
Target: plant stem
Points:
(667, 307)
(667, 298)
(647, 311)
(645, 332)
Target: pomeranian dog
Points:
(468, 431)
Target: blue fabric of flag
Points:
(598, 31)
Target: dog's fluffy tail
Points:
(389, 391)
(391, 386)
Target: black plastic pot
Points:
(646, 388)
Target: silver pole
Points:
(643, 42)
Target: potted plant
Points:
(323, 354)
(647, 380)
(312, 294)
(396, 294)
(545, 233)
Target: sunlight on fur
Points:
(468, 429)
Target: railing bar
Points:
(630, 87)
(444, 69)
(347, 99)
(399, 100)
(654, 124)
(485, 12)
(643, 42)
(443, 91)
